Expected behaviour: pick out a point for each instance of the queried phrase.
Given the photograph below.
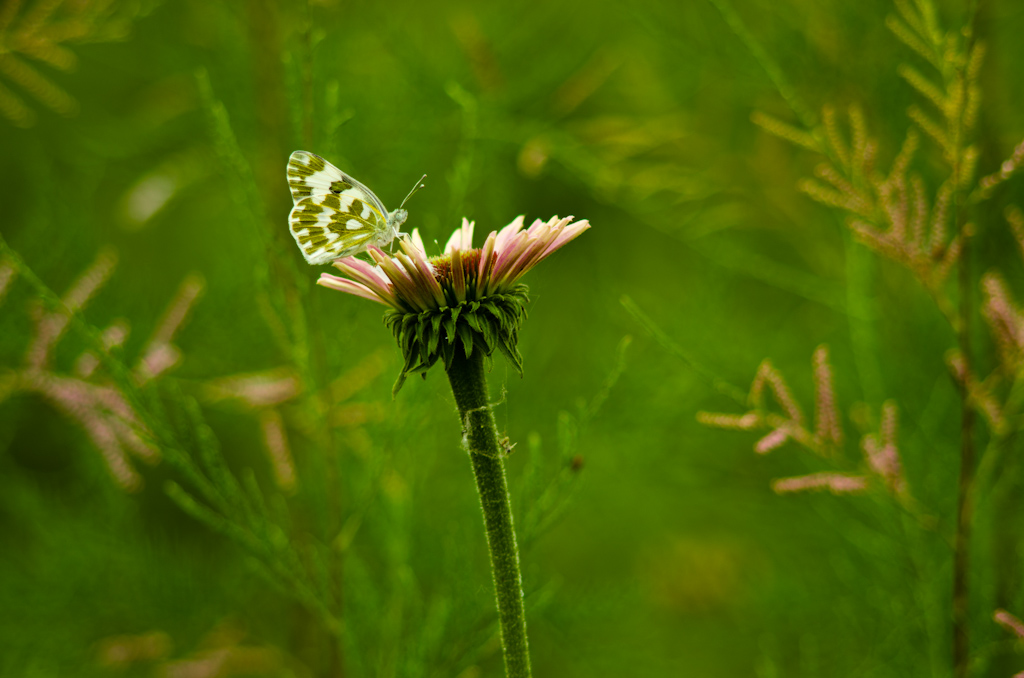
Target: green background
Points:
(668, 554)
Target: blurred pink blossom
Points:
(1009, 622)
(881, 450)
(277, 446)
(98, 406)
(836, 483)
(256, 389)
(773, 440)
(827, 425)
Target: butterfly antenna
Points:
(418, 186)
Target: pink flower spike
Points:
(882, 452)
(772, 441)
(256, 390)
(276, 441)
(836, 483)
(157, 359)
(736, 422)
(1009, 622)
(828, 426)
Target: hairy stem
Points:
(469, 384)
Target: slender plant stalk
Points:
(964, 512)
(964, 503)
(961, 546)
(469, 384)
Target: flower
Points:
(412, 282)
(473, 295)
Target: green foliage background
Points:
(666, 553)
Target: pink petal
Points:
(417, 241)
(366, 275)
(345, 285)
(507, 256)
(568, 233)
(486, 258)
(506, 234)
(404, 284)
(422, 287)
(425, 274)
(538, 225)
(458, 275)
(455, 241)
(462, 238)
(534, 253)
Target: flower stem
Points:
(469, 384)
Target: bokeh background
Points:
(156, 134)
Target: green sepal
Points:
(434, 337)
(473, 321)
(514, 358)
(466, 334)
(435, 324)
(423, 328)
(488, 325)
(493, 310)
(449, 328)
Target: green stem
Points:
(469, 384)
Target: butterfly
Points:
(334, 215)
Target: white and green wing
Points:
(333, 214)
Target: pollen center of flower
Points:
(458, 274)
(442, 265)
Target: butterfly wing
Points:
(332, 226)
(334, 215)
(309, 174)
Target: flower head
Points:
(466, 294)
